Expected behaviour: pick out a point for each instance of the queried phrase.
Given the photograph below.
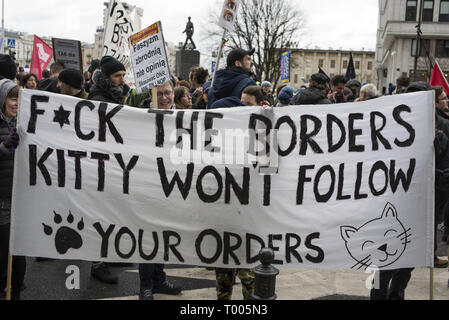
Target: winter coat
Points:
(229, 102)
(49, 85)
(6, 171)
(106, 91)
(310, 96)
(229, 83)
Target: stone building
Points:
(397, 34)
(305, 62)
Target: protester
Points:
(199, 97)
(183, 99)
(29, 81)
(402, 84)
(355, 86)
(109, 83)
(8, 68)
(338, 84)
(285, 97)
(109, 86)
(198, 78)
(46, 74)
(71, 83)
(51, 84)
(94, 66)
(152, 276)
(393, 283)
(236, 77)
(314, 94)
(266, 87)
(368, 92)
(9, 141)
(185, 84)
(253, 96)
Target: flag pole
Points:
(220, 53)
(9, 278)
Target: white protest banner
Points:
(149, 58)
(119, 27)
(68, 52)
(229, 14)
(101, 182)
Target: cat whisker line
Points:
(362, 262)
(405, 238)
(405, 232)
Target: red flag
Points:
(438, 79)
(42, 55)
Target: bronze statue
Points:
(189, 31)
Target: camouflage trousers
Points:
(226, 279)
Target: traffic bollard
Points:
(265, 277)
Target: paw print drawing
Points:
(66, 238)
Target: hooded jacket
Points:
(229, 83)
(310, 96)
(6, 159)
(106, 91)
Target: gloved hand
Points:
(12, 141)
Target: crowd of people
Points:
(233, 86)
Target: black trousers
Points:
(18, 265)
(392, 284)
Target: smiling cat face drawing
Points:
(378, 243)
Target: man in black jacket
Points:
(109, 86)
(109, 83)
(231, 82)
(314, 94)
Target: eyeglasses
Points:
(165, 93)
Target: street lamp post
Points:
(3, 27)
(418, 40)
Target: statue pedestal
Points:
(186, 59)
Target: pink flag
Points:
(438, 78)
(42, 55)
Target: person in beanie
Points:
(109, 86)
(285, 96)
(314, 94)
(266, 88)
(109, 83)
(355, 87)
(236, 77)
(9, 141)
(8, 68)
(70, 82)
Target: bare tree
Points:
(269, 26)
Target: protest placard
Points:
(102, 182)
(229, 14)
(119, 27)
(149, 58)
(68, 52)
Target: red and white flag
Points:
(438, 78)
(42, 55)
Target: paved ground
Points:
(47, 281)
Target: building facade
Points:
(397, 39)
(306, 62)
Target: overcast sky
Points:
(347, 24)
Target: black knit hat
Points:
(8, 68)
(72, 77)
(109, 65)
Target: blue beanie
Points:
(266, 84)
(286, 95)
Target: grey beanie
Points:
(6, 86)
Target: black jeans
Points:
(18, 265)
(394, 290)
(151, 273)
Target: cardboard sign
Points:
(149, 58)
(229, 14)
(119, 27)
(68, 52)
(102, 182)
